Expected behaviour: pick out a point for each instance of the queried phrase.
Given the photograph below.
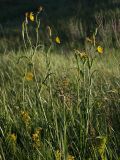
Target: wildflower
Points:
(25, 117)
(29, 76)
(31, 16)
(99, 49)
(70, 157)
(58, 155)
(57, 40)
(36, 137)
(49, 31)
(13, 137)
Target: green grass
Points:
(76, 106)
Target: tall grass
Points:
(75, 111)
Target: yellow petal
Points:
(100, 49)
(57, 39)
(29, 76)
(31, 16)
(13, 137)
(70, 157)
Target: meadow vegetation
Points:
(56, 105)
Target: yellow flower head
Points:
(69, 157)
(58, 155)
(36, 137)
(13, 137)
(57, 40)
(99, 49)
(29, 76)
(25, 117)
(31, 16)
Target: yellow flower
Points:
(58, 155)
(69, 157)
(25, 117)
(36, 137)
(99, 49)
(57, 40)
(13, 137)
(31, 16)
(29, 76)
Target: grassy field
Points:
(58, 107)
(59, 104)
